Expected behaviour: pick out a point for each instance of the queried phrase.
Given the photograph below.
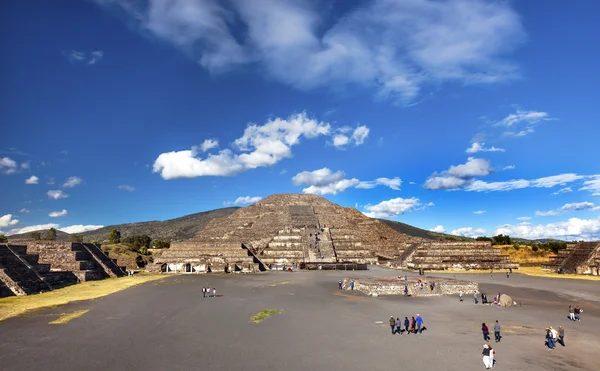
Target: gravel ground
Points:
(167, 325)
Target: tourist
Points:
(488, 362)
(352, 285)
(571, 313)
(393, 325)
(492, 274)
(412, 325)
(419, 323)
(486, 332)
(340, 284)
(203, 292)
(497, 331)
(405, 277)
(561, 335)
(553, 337)
(548, 336)
(214, 292)
(484, 298)
(578, 311)
(475, 297)
(507, 275)
(398, 325)
(405, 290)
(406, 325)
(495, 300)
(460, 294)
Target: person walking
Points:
(398, 325)
(214, 292)
(412, 325)
(405, 290)
(393, 325)
(577, 311)
(553, 337)
(203, 291)
(561, 336)
(485, 331)
(419, 321)
(475, 297)
(340, 284)
(497, 331)
(352, 285)
(571, 313)
(487, 360)
(406, 325)
(460, 294)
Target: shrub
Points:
(534, 248)
(3, 238)
(137, 242)
(114, 236)
(159, 244)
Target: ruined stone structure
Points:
(285, 229)
(578, 258)
(29, 267)
(377, 286)
(434, 255)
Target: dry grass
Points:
(539, 272)
(17, 305)
(66, 317)
(263, 315)
(525, 254)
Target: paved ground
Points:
(167, 325)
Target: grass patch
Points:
(66, 317)
(16, 305)
(264, 315)
(525, 254)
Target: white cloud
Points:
(469, 232)
(209, 144)
(509, 167)
(25, 166)
(89, 58)
(562, 190)
(78, 228)
(340, 140)
(7, 220)
(57, 214)
(480, 147)
(546, 213)
(439, 229)
(324, 182)
(527, 117)
(24, 211)
(396, 48)
(32, 228)
(392, 208)
(56, 194)
(246, 200)
(7, 165)
(592, 185)
(260, 146)
(458, 176)
(72, 181)
(546, 182)
(572, 229)
(32, 180)
(360, 134)
(126, 187)
(523, 218)
(577, 206)
(479, 212)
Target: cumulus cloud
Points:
(324, 181)
(126, 187)
(24, 211)
(469, 232)
(32, 228)
(456, 177)
(246, 200)
(7, 165)
(394, 207)
(78, 228)
(82, 57)
(344, 138)
(7, 221)
(209, 144)
(439, 229)
(480, 147)
(57, 214)
(32, 180)
(395, 48)
(572, 229)
(72, 181)
(56, 194)
(259, 146)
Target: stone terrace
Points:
(416, 286)
(582, 258)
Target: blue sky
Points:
(464, 116)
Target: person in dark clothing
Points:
(406, 325)
(561, 336)
(340, 284)
(393, 325)
(398, 325)
(486, 332)
(497, 331)
(413, 322)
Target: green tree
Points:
(114, 236)
(159, 244)
(51, 234)
(138, 241)
(3, 238)
(76, 238)
(36, 236)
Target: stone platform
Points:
(376, 286)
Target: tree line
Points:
(138, 243)
(501, 239)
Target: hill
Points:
(421, 233)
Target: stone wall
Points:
(395, 286)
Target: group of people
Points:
(484, 299)
(413, 325)
(553, 336)
(575, 313)
(342, 285)
(488, 356)
(206, 292)
(486, 332)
